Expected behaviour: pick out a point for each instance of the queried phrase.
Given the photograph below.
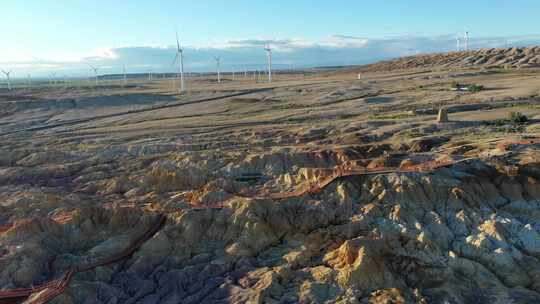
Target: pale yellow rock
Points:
(322, 273)
(269, 285)
(442, 117)
(360, 265)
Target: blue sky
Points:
(45, 35)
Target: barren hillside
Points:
(524, 57)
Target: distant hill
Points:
(524, 57)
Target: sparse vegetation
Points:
(473, 88)
(513, 123)
(517, 118)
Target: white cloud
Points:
(335, 50)
(101, 55)
(341, 41)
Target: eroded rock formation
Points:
(460, 234)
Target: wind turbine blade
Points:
(175, 58)
(177, 42)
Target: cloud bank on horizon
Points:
(248, 54)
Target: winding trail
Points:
(346, 171)
(49, 290)
(46, 292)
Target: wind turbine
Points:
(458, 42)
(233, 73)
(7, 73)
(218, 64)
(466, 37)
(180, 57)
(52, 78)
(269, 54)
(125, 74)
(95, 73)
(29, 80)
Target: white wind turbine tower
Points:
(7, 73)
(466, 38)
(180, 57)
(125, 74)
(95, 69)
(218, 66)
(458, 43)
(269, 54)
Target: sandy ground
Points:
(334, 101)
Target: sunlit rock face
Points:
(396, 237)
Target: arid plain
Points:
(324, 186)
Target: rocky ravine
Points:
(465, 234)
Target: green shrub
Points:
(474, 88)
(500, 122)
(514, 123)
(517, 118)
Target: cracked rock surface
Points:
(459, 234)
